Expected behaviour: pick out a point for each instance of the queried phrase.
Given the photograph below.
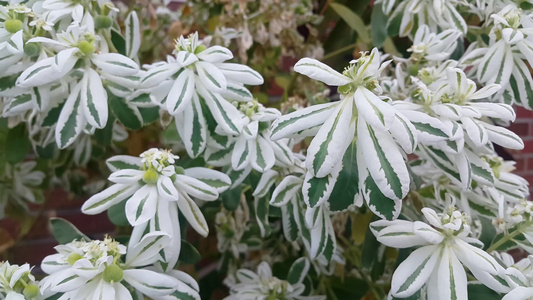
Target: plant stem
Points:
(338, 51)
(503, 240)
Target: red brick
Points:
(90, 225)
(521, 164)
(523, 113)
(520, 128)
(32, 252)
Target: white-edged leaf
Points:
(142, 205)
(192, 128)
(384, 161)
(121, 162)
(397, 233)
(181, 93)
(319, 71)
(133, 34)
(329, 145)
(374, 110)
(71, 120)
(266, 181)
(301, 119)
(196, 188)
(504, 137)
(264, 155)
(94, 99)
(286, 190)
(115, 64)
(192, 213)
(215, 54)
(240, 73)
(147, 250)
(150, 283)
(212, 78)
(414, 271)
(213, 178)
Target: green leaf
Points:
(8, 82)
(118, 41)
(17, 144)
(379, 25)
(379, 203)
(231, 198)
(477, 291)
(189, 254)
(104, 136)
(117, 214)
(346, 187)
(64, 232)
(353, 20)
(261, 215)
(127, 114)
(298, 270)
(149, 114)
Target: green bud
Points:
(413, 70)
(345, 89)
(86, 47)
(113, 273)
(263, 126)
(102, 22)
(150, 176)
(179, 170)
(74, 257)
(199, 49)
(31, 291)
(13, 25)
(32, 49)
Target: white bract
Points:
(501, 61)
(154, 190)
(94, 270)
(360, 116)
(17, 282)
(197, 81)
(444, 247)
(247, 285)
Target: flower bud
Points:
(113, 273)
(32, 49)
(74, 257)
(86, 47)
(102, 22)
(30, 291)
(150, 176)
(13, 25)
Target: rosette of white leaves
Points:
(452, 119)
(87, 101)
(444, 247)
(17, 282)
(520, 278)
(376, 126)
(94, 270)
(197, 79)
(248, 285)
(431, 46)
(435, 14)
(20, 185)
(501, 60)
(154, 190)
(253, 147)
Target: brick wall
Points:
(523, 126)
(38, 243)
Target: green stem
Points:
(503, 240)
(338, 51)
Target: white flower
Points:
(433, 47)
(20, 185)
(248, 285)
(87, 102)
(17, 282)
(195, 84)
(154, 190)
(93, 270)
(360, 117)
(443, 247)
